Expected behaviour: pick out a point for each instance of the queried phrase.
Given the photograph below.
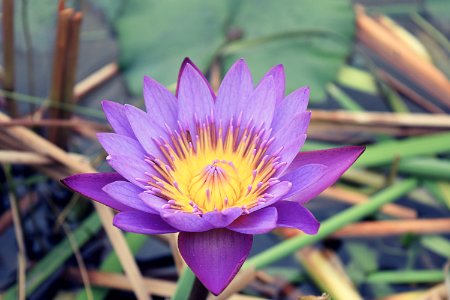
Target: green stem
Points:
(413, 276)
(344, 100)
(384, 153)
(184, 285)
(426, 167)
(340, 220)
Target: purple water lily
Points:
(216, 168)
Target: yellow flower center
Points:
(225, 168)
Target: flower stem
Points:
(411, 276)
(332, 224)
(184, 285)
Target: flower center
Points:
(216, 169)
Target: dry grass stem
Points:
(94, 80)
(423, 73)
(394, 227)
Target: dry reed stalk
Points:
(394, 227)
(8, 54)
(23, 158)
(94, 80)
(441, 121)
(340, 132)
(410, 93)
(352, 197)
(59, 65)
(423, 73)
(328, 272)
(70, 70)
(73, 122)
(155, 287)
(38, 144)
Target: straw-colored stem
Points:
(327, 271)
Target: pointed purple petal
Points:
(279, 78)
(90, 185)
(115, 114)
(278, 191)
(294, 104)
(194, 98)
(127, 194)
(303, 179)
(140, 222)
(146, 130)
(116, 144)
(215, 256)
(293, 215)
(185, 221)
(338, 160)
(258, 222)
(160, 103)
(291, 138)
(186, 62)
(132, 168)
(220, 219)
(236, 87)
(152, 201)
(261, 104)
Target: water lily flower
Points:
(218, 169)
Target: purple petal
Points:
(278, 191)
(152, 201)
(185, 221)
(127, 194)
(215, 256)
(194, 98)
(304, 178)
(220, 219)
(294, 104)
(293, 215)
(116, 144)
(261, 103)
(160, 103)
(291, 138)
(261, 221)
(279, 78)
(140, 222)
(233, 92)
(90, 185)
(132, 168)
(186, 62)
(337, 160)
(115, 114)
(146, 130)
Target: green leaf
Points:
(309, 59)
(155, 36)
(310, 38)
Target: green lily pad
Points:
(310, 38)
